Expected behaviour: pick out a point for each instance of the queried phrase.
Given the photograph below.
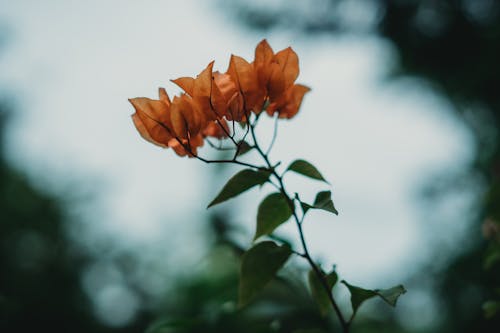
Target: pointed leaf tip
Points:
(244, 148)
(359, 295)
(324, 201)
(239, 183)
(306, 169)
(391, 295)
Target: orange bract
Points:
(212, 98)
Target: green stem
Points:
(306, 254)
(281, 187)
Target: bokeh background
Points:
(104, 232)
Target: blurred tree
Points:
(40, 287)
(41, 269)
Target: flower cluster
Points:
(212, 99)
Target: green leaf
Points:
(259, 265)
(273, 211)
(244, 148)
(307, 169)
(239, 183)
(318, 291)
(324, 201)
(309, 330)
(492, 256)
(359, 295)
(391, 295)
(175, 325)
(305, 206)
(491, 308)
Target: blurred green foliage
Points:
(207, 301)
(40, 282)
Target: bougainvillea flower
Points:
(212, 99)
(276, 75)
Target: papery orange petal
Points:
(223, 91)
(143, 131)
(203, 82)
(164, 96)
(186, 84)
(243, 74)
(196, 142)
(235, 110)
(295, 100)
(152, 120)
(193, 115)
(246, 77)
(263, 53)
(177, 116)
(178, 147)
(276, 85)
(218, 102)
(288, 61)
(225, 84)
(288, 105)
(217, 129)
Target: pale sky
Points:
(72, 65)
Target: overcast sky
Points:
(72, 65)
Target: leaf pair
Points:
(248, 178)
(323, 201)
(359, 295)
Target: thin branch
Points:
(219, 147)
(274, 184)
(307, 256)
(234, 161)
(275, 132)
(299, 254)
